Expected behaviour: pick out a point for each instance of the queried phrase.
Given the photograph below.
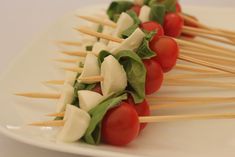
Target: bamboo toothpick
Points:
(155, 119)
(54, 82)
(40, 95)
(207, 64)
(199, 76)
(70, 43)
(77, 53)
(74, 69)
(99, 21)
(55, 123)
(99, 35)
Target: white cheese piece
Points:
(112, 45)
(124, 22)
(70, 77)
(65, 98)
(106, 30)
(145, 14)
(98, 46)
(88, 99)
(114, 75)
(139, 2)
(131, 43)
(76, 123)
(91, 67)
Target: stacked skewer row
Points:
(126, 56)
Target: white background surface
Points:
(21, 21)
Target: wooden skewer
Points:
(74, 69)
(77, 53)
(40, 95)
(198, 76)
(71, 43)
(185, 51)
(66, 60)
(196, 83)
(55, 123)
(183, 67)
(99, 35)
(199, 30)
(54, 82)
(99, 21)
(209, 44)
(208, 37)
(203, 47)
(207, 64)
(154, 119)
(200, 25)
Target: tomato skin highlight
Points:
(154, 77)
(142, 109)
(173, 24)
(151, 26)
(136, 9)
(167, 51)
(120, 125)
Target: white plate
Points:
(194, 138)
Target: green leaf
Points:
(102, 55)
(144, 51)
(89, 48)
(136, 74)
(170, 5)
(136, 24)
(93, 133)
(157, 13)
(117, 7)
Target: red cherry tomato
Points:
(173, 24)
(97, 89)
(178, 7)
(187, 23)
(141, 108)
(167, 51)
(120, 125)
(151, 26)
(154, 77)
(136, 9)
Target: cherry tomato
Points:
(187, 23)
(136, 9)
(167, 51)
(141, 108)
(97, 89)
(120, 125)
(151, 26)
(178, 7)
(173, 24)
(154, 77)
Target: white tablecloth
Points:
(21, 20)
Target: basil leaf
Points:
(170, 5)
(89, 48)
(144, 51)
(157, 13)
(136, 74)
(102, 55)
(146, 2)
(131, 29)
(117, 7)
(93, 133)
